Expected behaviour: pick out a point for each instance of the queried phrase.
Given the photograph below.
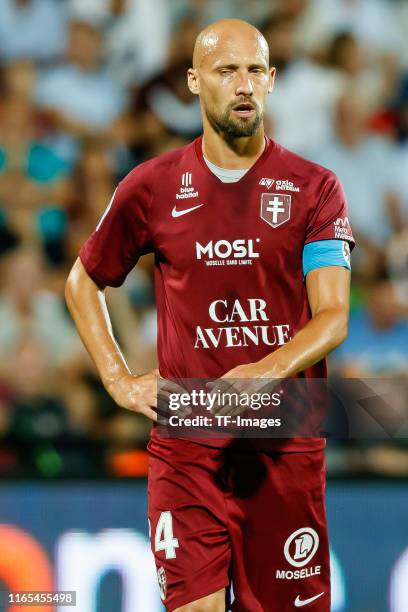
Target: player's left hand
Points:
(248, 378)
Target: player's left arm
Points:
(328, 290)
(326, 269)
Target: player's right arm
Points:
(87, 305)
(110, 253)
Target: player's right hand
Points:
(137, 393)
(143, 394)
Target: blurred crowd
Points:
(91, 88)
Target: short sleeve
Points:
(122, 235)
(329, 219)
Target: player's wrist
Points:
(113, 380)
(272, 368)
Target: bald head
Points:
(224, 35)
(232, 77)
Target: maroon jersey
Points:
(228, 256)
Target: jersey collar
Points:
(199, 153)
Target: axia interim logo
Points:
(280, 184)
(239, 252)
(285, 185)
(266, 182)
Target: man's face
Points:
(233, 80)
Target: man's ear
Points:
(272, 74)
(193, 81)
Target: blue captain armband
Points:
(325, 253)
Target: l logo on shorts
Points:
(301, 546)
(161, 577)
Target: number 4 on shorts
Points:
(163, 539)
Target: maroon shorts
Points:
(232, 517)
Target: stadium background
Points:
(89, 89)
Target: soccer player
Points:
(251, 247)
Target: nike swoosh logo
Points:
(179, 213)
(299, 603)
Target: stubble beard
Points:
(235, 127)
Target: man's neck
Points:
(234, 154)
